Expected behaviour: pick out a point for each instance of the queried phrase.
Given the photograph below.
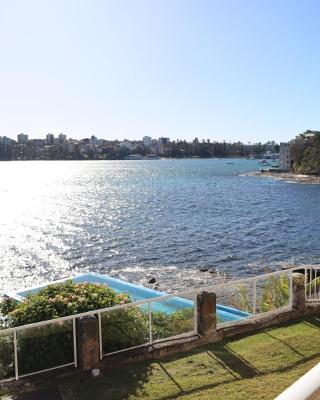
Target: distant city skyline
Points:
(56, 134)
(236, 70)
(61, 147)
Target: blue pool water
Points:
(136, 293)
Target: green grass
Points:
(255, 367)
(259, 366)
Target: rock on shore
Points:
(288, 176)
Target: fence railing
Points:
(312, 284)
(250, 297)
(120, 328)
(147, 322)
(44, 346)
(53, 344)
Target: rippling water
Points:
(134, 219)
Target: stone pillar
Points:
(88, 342)
(298, 291)
(207, 317)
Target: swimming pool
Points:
(136, 293)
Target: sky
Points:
(230, 70)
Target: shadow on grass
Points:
(237, 367)
(313, 323)
(136, 380)
(285, 344)
(131, 381)
(245, 371)
(240, 368)
(113, 385)
(171, 377)
(238, 364)
(51, 393)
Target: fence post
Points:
(88, 342)
(298, 291)
(150, 323)
(207, 317)
(15, 346)
(254, 307)
(100, 336)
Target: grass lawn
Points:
(255, 367)
(259, 366)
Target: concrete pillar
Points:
(207, 317)
(88, 342)
(298, 291)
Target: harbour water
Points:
(161, 218)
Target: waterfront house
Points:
(285, 161)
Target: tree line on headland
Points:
(305, 153)
(220, 149)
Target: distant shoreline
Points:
(145, 158)
(288, 176)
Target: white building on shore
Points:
(285, 156)
(147, 141)
(127, 144)
(22, 138)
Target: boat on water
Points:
(141, 157)
(134, 157)
(264, 162)
(152, 157)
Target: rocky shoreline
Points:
(161, 278)
(288, 176)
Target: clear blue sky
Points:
(228, 69)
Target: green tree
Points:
(305, 151)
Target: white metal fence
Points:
(154, 318)
(24, 350)
(147, 322)
(253, 296)
(140, 323)
(312, 284)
